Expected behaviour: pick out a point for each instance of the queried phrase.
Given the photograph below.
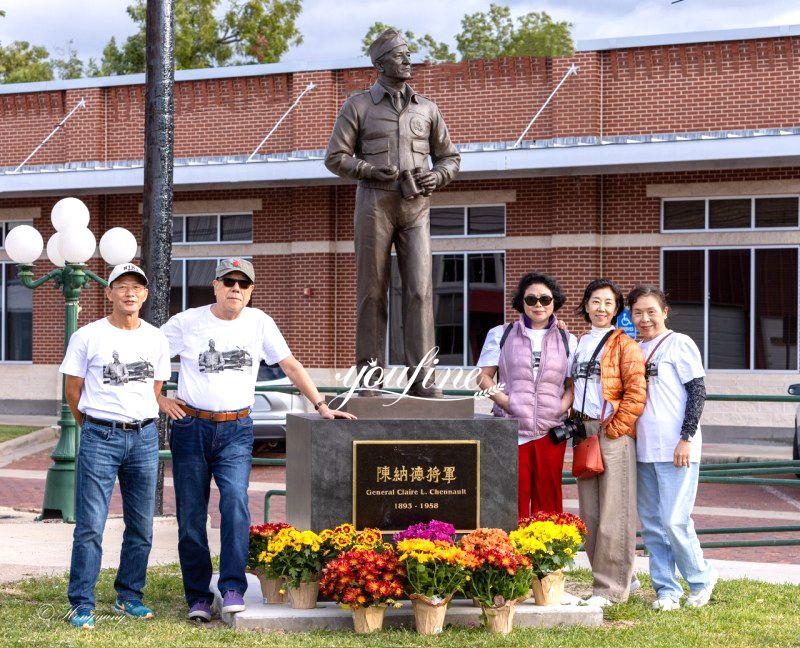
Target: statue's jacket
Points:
(370, 131)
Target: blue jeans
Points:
(107, 454)
(202, 449)
(665, 499)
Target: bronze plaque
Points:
(400, 483)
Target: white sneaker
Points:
(666, 604)
(598, 601)
(635, 584)
(702, 597)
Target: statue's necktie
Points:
(397, 101)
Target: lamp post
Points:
(68, 249)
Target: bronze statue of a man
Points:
(383, 138)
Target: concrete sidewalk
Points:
(31, 548)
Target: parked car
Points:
(270, 407)
(794, 390)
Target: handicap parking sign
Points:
(625, 323)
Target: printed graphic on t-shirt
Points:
(651, 372)
(213, 361)
(537, 360)
(584, 370)
(119, 373)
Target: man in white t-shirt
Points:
(212, 433)
(119, 440)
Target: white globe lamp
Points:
(69, 213)
(76, 245)
(52, 251)
(24, 244)
(117, 246)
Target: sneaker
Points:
(200, 611)
(233, 602)
(666, 604)
(134, 609)
(82, 618)
(702, 597)
(598, 601)
(635, 584)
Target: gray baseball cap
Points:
(126, 268)
(226, 266)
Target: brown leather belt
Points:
(216, 417)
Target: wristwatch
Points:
(686, 437)
(318, 405)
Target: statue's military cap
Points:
(386, 42)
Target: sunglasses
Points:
(228, 282)
(532, 300)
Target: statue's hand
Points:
(384, 173)
(427, 181)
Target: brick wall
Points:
(733, 85)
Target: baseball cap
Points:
(226, 266)
(126, 268)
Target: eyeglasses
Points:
(532, 300)
(229, 282)
(134, 288)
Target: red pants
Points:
(540, 465)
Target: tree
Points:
(492, 34)
(249, 31)
(22, 62)
(434, 51)
(70, 66)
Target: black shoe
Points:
(419, 390)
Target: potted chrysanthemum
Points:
(366, 581)
(297, 556)
(271, 582)
(435, 568)
(551, 541)
(499, 581)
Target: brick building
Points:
(670, 159)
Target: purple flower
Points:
(433, 530)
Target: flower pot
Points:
(368, 619)
(429, 613)
(500, 620)
(304, 597)
(550, 589)
(271, 588)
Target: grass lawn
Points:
(8, 432)
(743, 613)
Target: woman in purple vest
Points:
(532, 357)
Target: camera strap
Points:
(590, 365)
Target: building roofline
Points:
(241, 71)
(714, 36)
(230, 72)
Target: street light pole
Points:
(68, 249)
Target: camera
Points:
(571, 428)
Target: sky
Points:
(333, 29)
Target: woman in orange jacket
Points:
(610, 392)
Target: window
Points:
(730, 213)
(738, 304)
(486, 220)
(212, 228)
(190, 283)
(468, 300)
(16, 323)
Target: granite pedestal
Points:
(319, 464)
(329, 616)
